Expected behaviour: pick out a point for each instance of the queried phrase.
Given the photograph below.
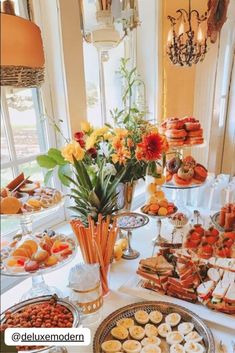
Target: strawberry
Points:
(207, 248)
(211, 240)
(221, 252)
(191, 244)
(195, 236)
(198, 228)
(228, 242)
(214, 232)
(230, 235)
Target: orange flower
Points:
(117, 143)
(121, 156)
(130, 142)
(151, 146)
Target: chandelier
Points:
(105, 23)
(187, 45)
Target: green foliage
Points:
(93, 198)
(46, 162)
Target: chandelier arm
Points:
(200, 18)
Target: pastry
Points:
(150, 330)
(164, 329)
(173, 319)
(174, 337)
(131, 346)
(137, 332)
(200, 173)
(185, 173)
(21, 252)
(195, 133)
(29, 187)
(155, 316)
(111, 346)
(32, 244)
(194, 140)
(10, 205)
(151, 340)
(193, 127)
(179, 181)
(151, 348)
(185, 327)
(15, 182)
(193, 336)
(126, 322)
(176, 134)
(189, 161)
(142, 317)
(193, 347)
(119, 332)
(174, 123)
(35, 204)
(177, 348)
(173, 165)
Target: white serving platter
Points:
(133, 287)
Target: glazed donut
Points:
(189, 162)
(189, 119)
(174, 123)
(200, 172)
(175, 142)
(173, 165)
(195, 133)
(174, 133)
(168, 176)
(185, 173)
(194, 140)
(181, 182)
(190, 126)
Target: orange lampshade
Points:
(22, 56)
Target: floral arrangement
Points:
(103, 157)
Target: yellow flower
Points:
(101, 131)
(85, 126)
(122, 133)
(72, 149)
(95, 136)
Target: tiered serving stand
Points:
(39, 287)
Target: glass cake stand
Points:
(39, 287)
(159, 239)
(136, 220)
(26, 219)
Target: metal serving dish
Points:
(17, 307)
(103, 331)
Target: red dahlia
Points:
(151, 146)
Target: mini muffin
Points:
(164, 329)
(119, 332)
(126, 322)
(185, 327)
(174, 337)
(173, 319)
(10, 205)
(151, 340)
(142, 317)
(131, 346)
(193, 347)
(177, 348)
(137, 332)
(150, 330)
(111, 346)
(151, 348)
(155, 316)
(193, 336)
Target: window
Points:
(25, 133)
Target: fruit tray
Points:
(37, 254)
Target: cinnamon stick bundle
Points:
(97, 243)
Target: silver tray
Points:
(214, 219)
(135, 215)
(165, 308)
(17, 307)
(171, 185)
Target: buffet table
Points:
(120, 273)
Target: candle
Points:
(199, 35)
(169, 37)
(181, 28)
